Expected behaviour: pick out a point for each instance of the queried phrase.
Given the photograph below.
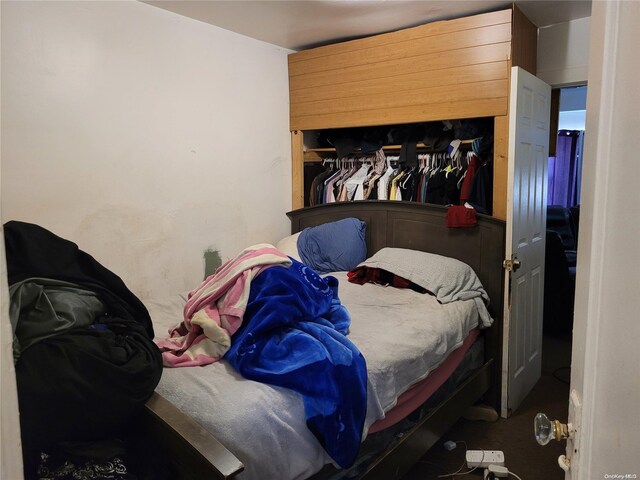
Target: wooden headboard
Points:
(423, 227)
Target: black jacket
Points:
(87, 383)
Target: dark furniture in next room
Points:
(560, 268)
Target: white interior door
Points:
(526, 226)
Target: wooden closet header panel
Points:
(443, 70)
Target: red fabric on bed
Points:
(362, 275)
(417, 394)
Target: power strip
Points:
(484, 458)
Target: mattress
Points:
(421, 391)
(403, 335)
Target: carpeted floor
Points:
(514, 436)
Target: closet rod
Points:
(318, 154)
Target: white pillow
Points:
(289, 246)
(447, 278)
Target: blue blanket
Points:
(293, 336)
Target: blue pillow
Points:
(334, 246)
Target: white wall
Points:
(143, 136)
(10, 444)
(573, 105)
(563, 52)
(605, 357)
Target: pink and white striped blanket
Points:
(215, 309)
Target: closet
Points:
(447, 70)
(443, 163)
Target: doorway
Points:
(563, 221)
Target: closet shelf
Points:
(318, 154)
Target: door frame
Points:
(604, 387)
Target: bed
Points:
(194, 419)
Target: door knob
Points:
(546, 430)
(511, 265)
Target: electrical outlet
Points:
(484, 458)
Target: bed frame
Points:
(195, 454)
